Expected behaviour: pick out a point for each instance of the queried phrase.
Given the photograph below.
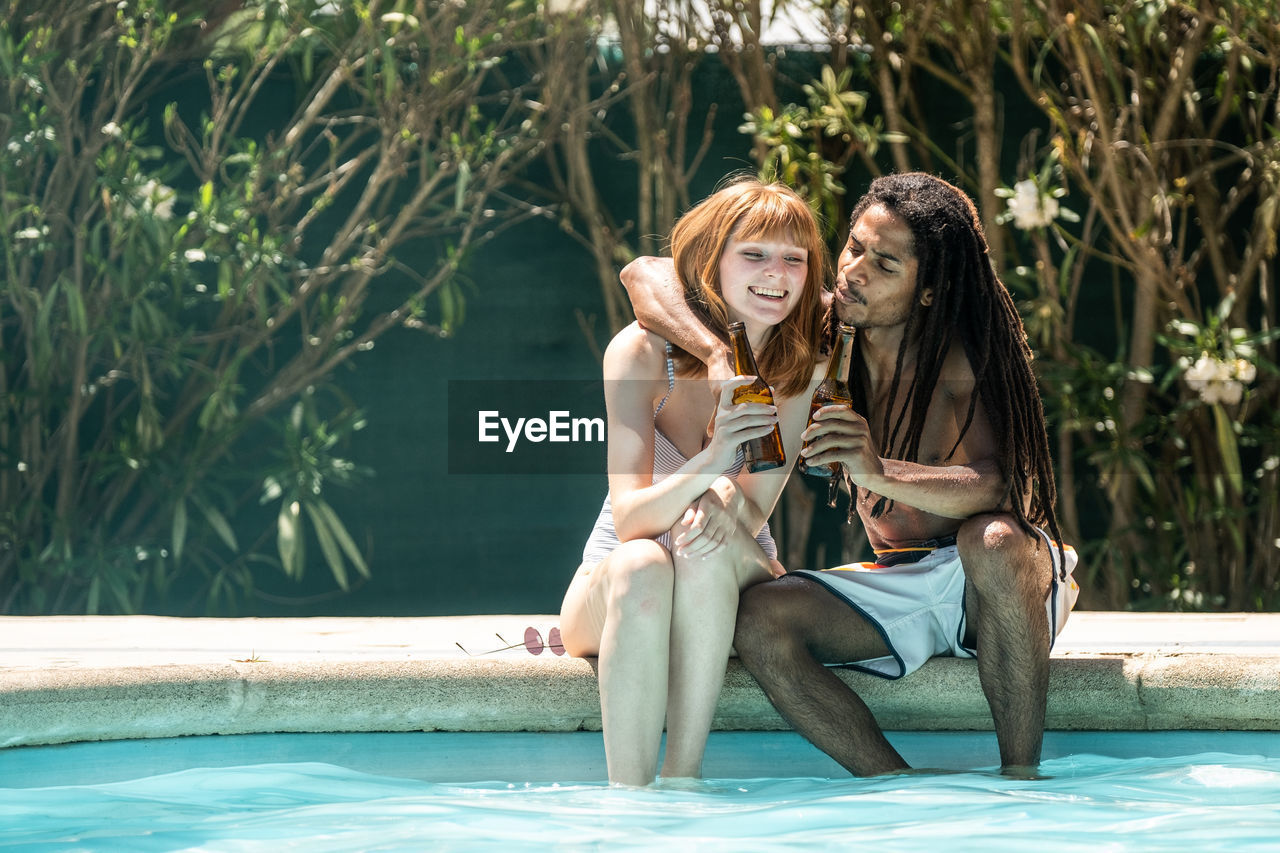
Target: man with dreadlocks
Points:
(947, 462)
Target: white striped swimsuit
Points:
(667, 459)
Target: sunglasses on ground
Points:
(532, 643)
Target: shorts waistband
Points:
(914, 554)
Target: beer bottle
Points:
(764, 452)
(832, 391)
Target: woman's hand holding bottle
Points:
(737, 423)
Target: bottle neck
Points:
(837, 368)
(744, 360)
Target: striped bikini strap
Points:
(671, 380)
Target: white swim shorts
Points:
(915, 599)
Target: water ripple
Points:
(1084, 802)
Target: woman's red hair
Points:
(748, 209)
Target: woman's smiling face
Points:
(762, 280)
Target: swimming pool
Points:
(763, 791)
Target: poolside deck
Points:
(66, 679)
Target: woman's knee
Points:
(641, 574)
(739, 561)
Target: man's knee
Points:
(993, 533)
(996, 552)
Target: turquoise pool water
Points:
(764, 791)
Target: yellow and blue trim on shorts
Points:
(914, 553)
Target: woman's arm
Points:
(749, 500)
(635, 376)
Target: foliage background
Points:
(211, 214)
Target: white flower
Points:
(162, 198)
(399, 18)
(1228, 392)
(1207, 369)
(30, 234)
(194, 255)
(112, 130)
(1217, 381)
(1031, 208)
(155, 197)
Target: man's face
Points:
(876, 272)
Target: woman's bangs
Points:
(774, 216)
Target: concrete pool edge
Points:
(65, 679)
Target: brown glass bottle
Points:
(764, 452)
(832, 391)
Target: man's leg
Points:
(785, 629)
(1007, 575)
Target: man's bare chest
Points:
(898, 429)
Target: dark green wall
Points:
(442, 542)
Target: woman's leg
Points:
(620, 610)
(704, 607)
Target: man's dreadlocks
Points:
(969, 301)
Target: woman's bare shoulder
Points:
(635, 353)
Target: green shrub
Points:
(179, 288)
